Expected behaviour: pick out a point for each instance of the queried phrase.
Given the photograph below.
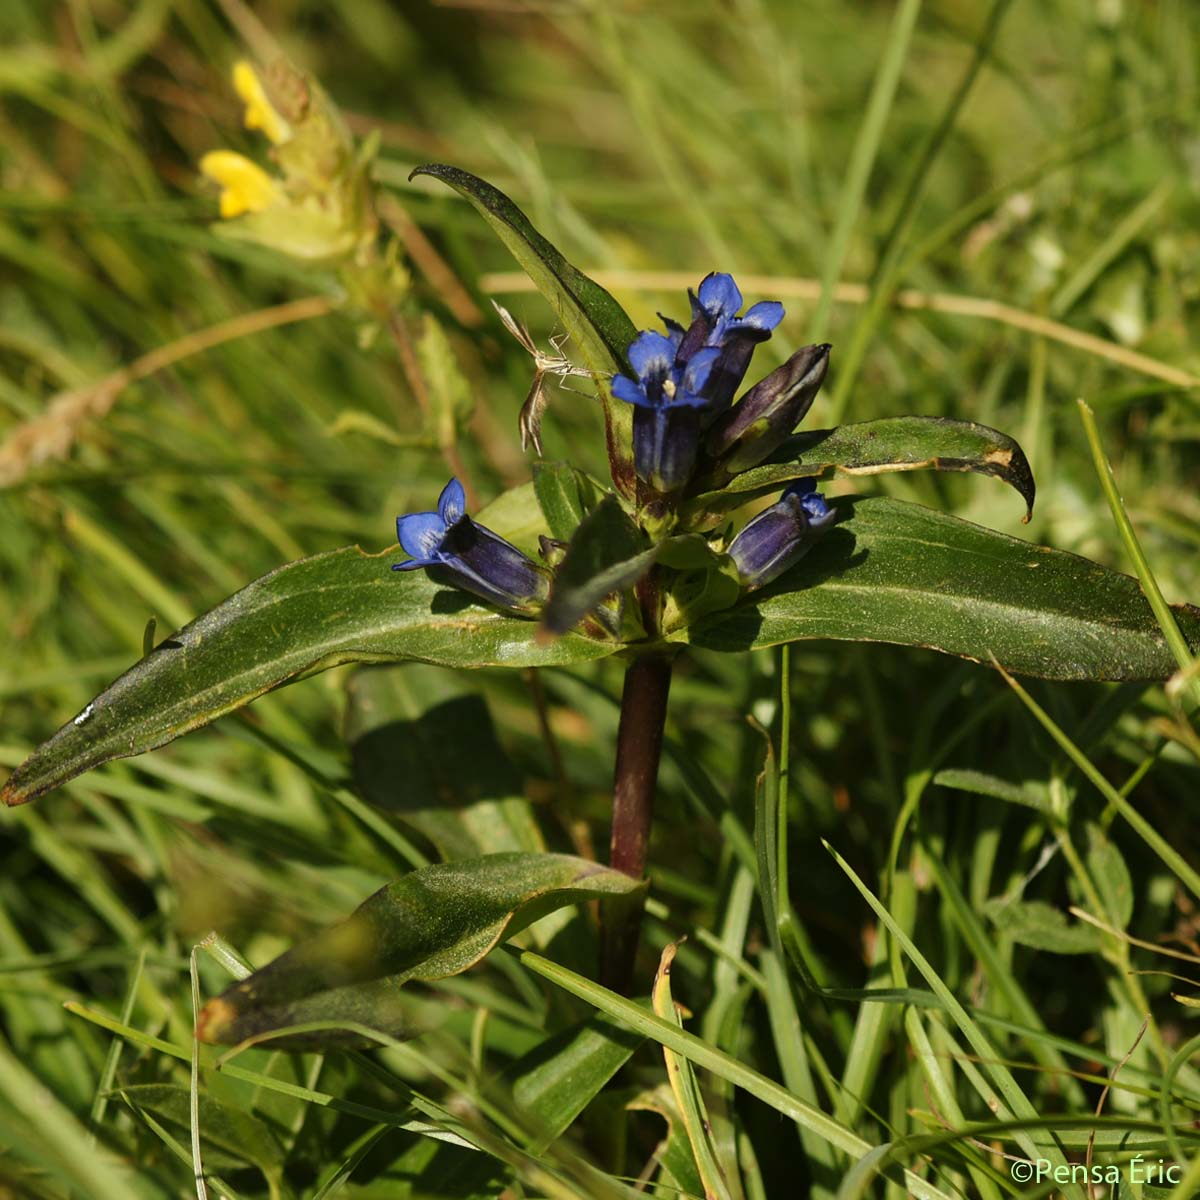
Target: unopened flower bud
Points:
(781, 535)
(756, 426)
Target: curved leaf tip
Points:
(432, 923)
(876, 447)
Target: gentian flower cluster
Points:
(688, 432)
(684, 427)
(469, 556)
(689, 436)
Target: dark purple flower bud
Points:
(471, 557)
(780, 535)
(730, 369)
(667, 413)
(756, 426)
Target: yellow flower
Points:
(245, 186)
(260, 113)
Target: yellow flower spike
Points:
(245, 186)
(260, 112)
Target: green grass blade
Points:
(682, 1078)
(888, 273)
(1129, 539)
(1165, 851)
(1117, 241)
(788, 1035)
(999, 976)
(108, 1074)
(91, 1170)
(1016, 1100)
(862, 160)
(704, 1055)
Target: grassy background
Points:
(641, 138)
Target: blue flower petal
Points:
(819, 513)
(421, 535)
(766, 314)
(719, 296)
(623, 388)
(452, 503)
(411, 565)
(651, 355)
(695, 374)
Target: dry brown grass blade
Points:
(51, 435)
(786, 286)
(1166, 951)
(429, 262)
(1091, 1145)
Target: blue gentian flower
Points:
(717, 301)
(754, 428)
(715, 322)
(668, 401)
(780, 535)
(459, 552)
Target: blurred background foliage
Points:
(643, 139)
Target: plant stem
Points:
(639, 748)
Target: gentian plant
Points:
(711, 531)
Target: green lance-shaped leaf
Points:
(607, 554)
(339, 607)
(433, 923)
(872, 448)
(901, 573)
(599, 326)
(1042, 926)
(565, 495)
(1111, 875)
(1029, 793)
(399, 721)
